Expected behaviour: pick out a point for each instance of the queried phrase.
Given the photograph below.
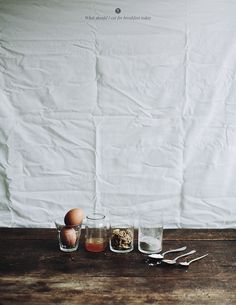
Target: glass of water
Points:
(150, 232)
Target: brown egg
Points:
(74, 217)
(68, 236)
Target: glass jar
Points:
(121, 230)
(150, 232)
(95, 232)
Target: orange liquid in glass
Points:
(95, 244)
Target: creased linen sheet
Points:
(129, 103)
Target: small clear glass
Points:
(121, 230)
(150, 232)
(95, 232)
(68, 236)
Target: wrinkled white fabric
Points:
(136, 111)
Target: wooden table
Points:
(34, 271)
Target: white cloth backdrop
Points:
(136, 108)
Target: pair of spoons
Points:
(174, 261)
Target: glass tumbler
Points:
(121, 230)
(150, 232)
(95, 232)
(68, 236)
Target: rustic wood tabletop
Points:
(34, 271)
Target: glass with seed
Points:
(95, 232)
(121, 230)
(150, 232)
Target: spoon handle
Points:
(174, 250)
(185, 254)
(197, 258)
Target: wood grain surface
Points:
(34, 271)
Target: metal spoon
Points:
(161, 255)
(186, 264)
(173, 261)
